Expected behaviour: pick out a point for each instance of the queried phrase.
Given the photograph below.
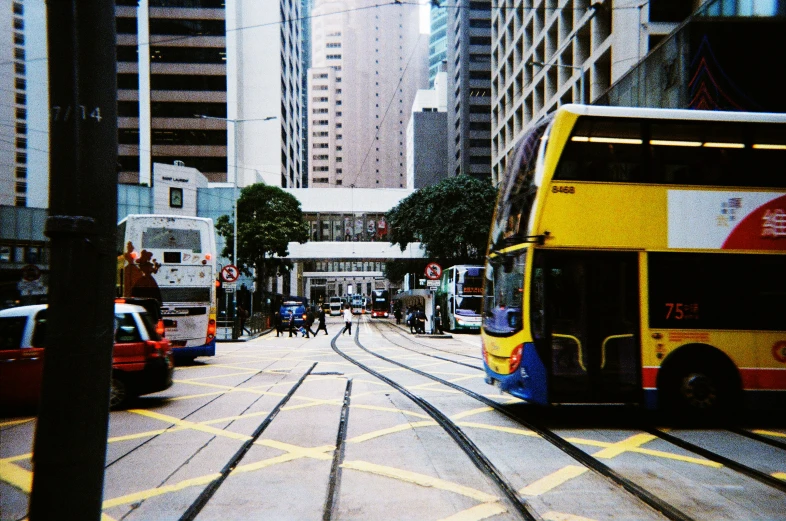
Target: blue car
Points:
(288, 308)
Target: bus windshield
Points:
(511, 221)
(503, 293)
(468, 306)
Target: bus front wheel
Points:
(702, 382)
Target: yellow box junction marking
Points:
(615, 449)
(16, 476)
(553, 480)
(419, 479)
(11, 423)
(774, 434)
(191, 425)
(499, 428)
(477, 513)
(391, 430)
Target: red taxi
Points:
(141, 360)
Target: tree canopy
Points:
(451, 219)
(268, 219)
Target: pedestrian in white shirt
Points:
(347, 321)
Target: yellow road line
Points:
(160, 491)
(553, 480)
(775, 434)
(391, 430)
(301, 452)
(418, 479)
(471, 412)
(191, 425)
(779, 475)
(477, 513)
(509, 430)
(11, 423)
(390, 409)
(16, 476)
(649, 452)
(615, 449)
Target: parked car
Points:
(289, 308)
(141, 360)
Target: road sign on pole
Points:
(230, 273)
(433, 271)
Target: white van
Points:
(335, 306)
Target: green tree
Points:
(451, 219)
(268, 220)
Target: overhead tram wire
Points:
(298, 19)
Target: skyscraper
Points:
(24, 145)
(437, 42)
(469, 87)
(368, 62)
(213, 84)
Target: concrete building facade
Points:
(368, 62)
(469, 87)
(202, 82)
(24, 133)
(427, 136)
(549, 52)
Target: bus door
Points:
(587, 308)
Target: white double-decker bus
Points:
(173, 260)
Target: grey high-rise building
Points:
(210, 84)
(469, 87)
(368, 61)
(24, 145)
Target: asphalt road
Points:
(324, 439)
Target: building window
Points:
(175, 197)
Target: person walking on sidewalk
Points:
(277, 323)
(322, 322)
(292, 325)
(242, 314)
(347, 320)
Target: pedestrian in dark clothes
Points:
(292, 325)
(278, 324)
(322, 322)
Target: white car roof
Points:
(23, 311)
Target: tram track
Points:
(599, 467)
(430, 355)
(202, 499)
(481, 462)
(398, 331)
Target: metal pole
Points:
(70, 443)
(234, 246)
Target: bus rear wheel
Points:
(702, 384)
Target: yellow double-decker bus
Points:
(639, 256)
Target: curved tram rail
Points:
(594, 464)
(473, 452)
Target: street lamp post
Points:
(234, 198)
